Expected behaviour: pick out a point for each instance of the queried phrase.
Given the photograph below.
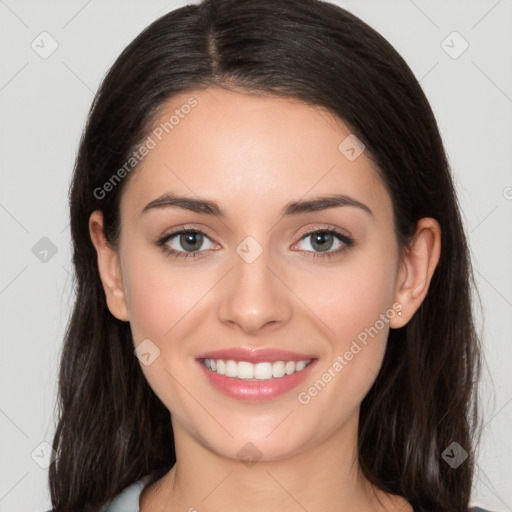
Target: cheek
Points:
(159, 296)
(150, 302)
(160, 303)
(354, 302)
(352, 297)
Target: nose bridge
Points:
(254, 296)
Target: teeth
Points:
(300, 366)
(242, 370)
(258, 371)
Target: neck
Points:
(324, 476)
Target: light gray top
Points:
(128, 499)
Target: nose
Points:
(254, 296)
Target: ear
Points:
(109, 268)
(417, 267)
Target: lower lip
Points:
(255, 391)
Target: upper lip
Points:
(253, 355)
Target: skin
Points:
(252, 155)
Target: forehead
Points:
(248, 152)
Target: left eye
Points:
(323, 240)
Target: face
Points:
(319, 283)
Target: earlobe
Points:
(108, 267)
(417, 267)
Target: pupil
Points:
(320, 238)
(188, 238)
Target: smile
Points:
(245, 370)
(253, 382)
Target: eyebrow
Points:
(208, 207)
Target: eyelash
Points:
(347, 241)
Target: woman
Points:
(273, 304)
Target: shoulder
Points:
(470, 509)
(128, 499)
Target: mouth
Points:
(249, 375)
(244, 370)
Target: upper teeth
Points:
(260, 371)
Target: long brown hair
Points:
(112, 429)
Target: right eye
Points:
(191, 240)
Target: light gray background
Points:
(43, 109)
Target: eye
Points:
(191, 240)
(322, 240)
(188, 243)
